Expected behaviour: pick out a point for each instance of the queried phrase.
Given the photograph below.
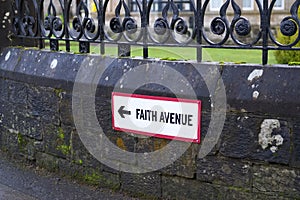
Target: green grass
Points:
(236, 56)
(186, 53)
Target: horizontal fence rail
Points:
(153, 23)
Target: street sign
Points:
(162, 117)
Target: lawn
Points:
(186, 53)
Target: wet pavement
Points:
(28, 183)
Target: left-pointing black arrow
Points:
(123, 112)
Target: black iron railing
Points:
(142, 26)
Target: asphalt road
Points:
(28, 183)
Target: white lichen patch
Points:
(255, 94)
(1, 118)
(7, 56)
(253, 86)
(255, 74)
(246, 167)
(13, 131)
(278, 139)
(273, 149)
(53, 64)
(265, 138)
(92, 62)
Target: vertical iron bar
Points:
(101, 19)
(265, 26)
(145, 22)
(41, 43)
(124, 49)
(102, 48)
(40, 14)
(66, 16)
(68, 49)
(198, 27)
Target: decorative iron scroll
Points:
(54, 20)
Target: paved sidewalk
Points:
(9, 193)
(22, 183)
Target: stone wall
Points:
(256, 157)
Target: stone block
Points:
(29, 126)
(57, 140)
(185, 166)
(189, 189)
(123, 140)
(65, 109)
(209, 142)
(18, 92)
(80, 155)
(9, 141)
(224, 171)
(43, 102)
(279, 147)
(149, 144)
(240, 138)
(57, 69)
(148, 184)
(17, 143)
(230, 193)
(103, 112)
(239, 135)
(270, 180)
(180, 188)
(47, 161)
(39, 146)
(255, 88)
(110, 180)
(17, 118)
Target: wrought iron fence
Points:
(145, 26)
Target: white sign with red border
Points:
(162, 117)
